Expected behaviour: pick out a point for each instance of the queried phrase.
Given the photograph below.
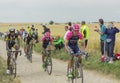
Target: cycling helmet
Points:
(11, 30)
(47, 34)
(32, 25)
(76, 27)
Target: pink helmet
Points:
(76, 27)
(47, 34)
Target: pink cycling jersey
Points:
(46, 38)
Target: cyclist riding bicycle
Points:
(46, 41)
(34, 36)
(71, 45)
(12, 41)
(27, 41)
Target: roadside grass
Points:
(4, 78)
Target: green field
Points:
(93, 47)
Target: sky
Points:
(59, 10)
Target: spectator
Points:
(68, 29)
(102, 36)
(45, 29)
(110, 40)
(58, 42)
(28, 29)
(85, 32)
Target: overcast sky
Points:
(59, 10)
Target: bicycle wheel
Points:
(70, 80)
(49, 65)
(13, 68)
(78, 73)
(30, 57)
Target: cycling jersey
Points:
(11, 40)
(73, 43)
(27, 39)
(73, 40)
(46, 41)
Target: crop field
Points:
(93, 42)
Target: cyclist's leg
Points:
(86, 42)
(8, 60)
(16, 53)
(43, 55)
(25, 48)
(79, 54)
(70, 62)
(71, 58)
(31, 45)
(43, 58)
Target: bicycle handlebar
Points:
(19, 51)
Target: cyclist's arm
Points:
(66, 45)
(7, 40)
(7, 48)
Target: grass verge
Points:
(93, 62)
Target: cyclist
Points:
(27, 41)
(46, 41)
(68, 29)
(34, 36)
(28, 29)
(12, 41)
(71, 45)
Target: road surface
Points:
(32, 72)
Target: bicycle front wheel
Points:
(13, 68)
(78, 73)
(49, 65)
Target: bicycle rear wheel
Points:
(78, 73)
(49, 65)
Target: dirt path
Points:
(33, 73)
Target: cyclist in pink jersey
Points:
(46, 41)
(71, 45)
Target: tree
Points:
(51, 22)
